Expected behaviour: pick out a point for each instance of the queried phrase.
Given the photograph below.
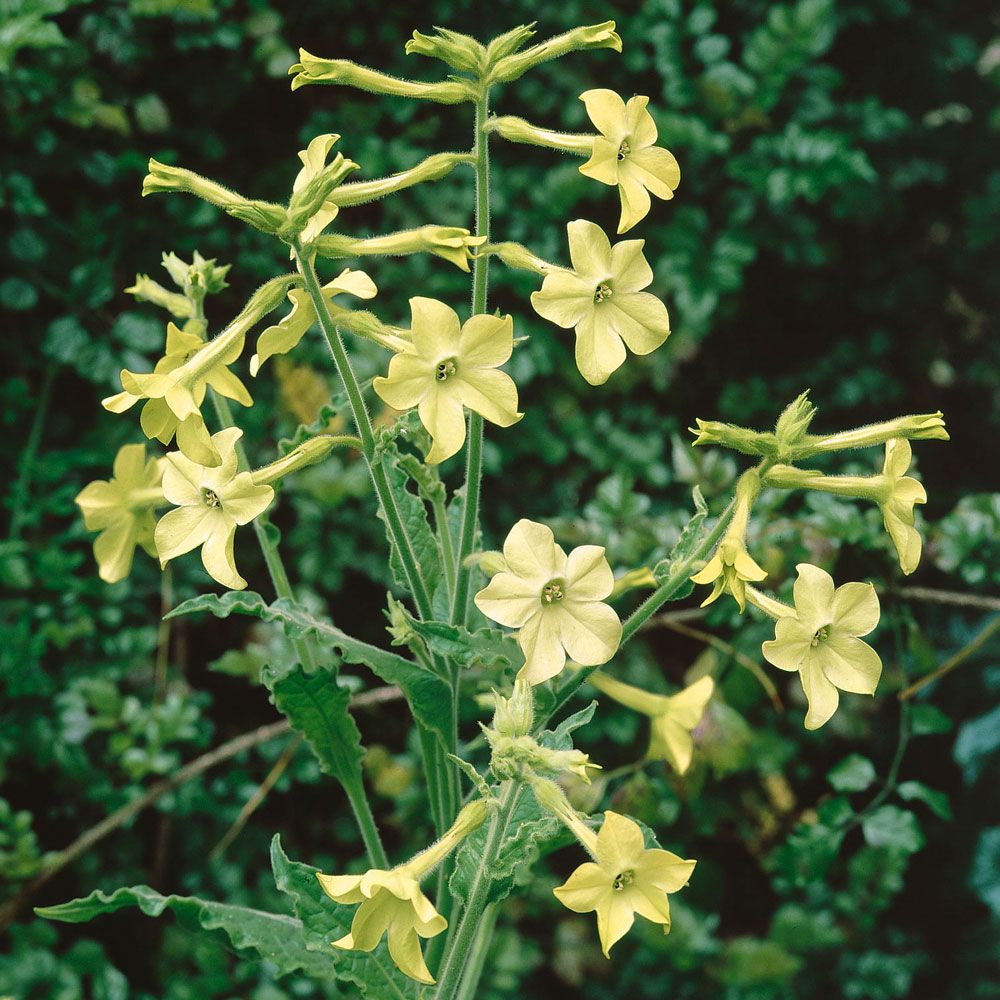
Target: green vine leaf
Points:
(427, 694)
(276, 937)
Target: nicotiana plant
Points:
(560, 629)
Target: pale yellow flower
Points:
(393, 904)
(210, 502)
(313, 159)
(903, 492)
(554, 600)
(624, 879)
(449, 367)
(821, 640)
(625, 154)
(730, 569)
(602, 298)
(122, 510)
(176, 388)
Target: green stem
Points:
(474, 455)
(477, 956)
(304, 649)
(22, 488)
(460, 943)
(362, 420)
(447, 548)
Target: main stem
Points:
(354, 787)
(474, 455)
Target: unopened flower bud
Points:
(514, 716)
(459, 51)
(594, 36)
(509, 42)
(916, 427)
(146, 289)
(308, 453)
(794, 421)
(515, 129)
(741, 439)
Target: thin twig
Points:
(956, 660)
(729, 650)
(198, 766)
(951, 597)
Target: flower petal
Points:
(509, 600)
(404, 949)
(670, 741)
(182, 480)
(591, 632)
(409, 379)
(688, 706)
(656, 169)
(849, 663)
(630, 270)
(813, 592)
(607, 111)
(640, 319)
(243, 500)
(341, 888)
(664, 870)
(544, 656)
(564, 299)
(586, 889)
(855, 608)
(182, 529)
(791, 642)
(114, 548)
(634, 200)
(820, 693)
(436, 329)
(589, 250)
(491, 393)
(530, 552)
(639, 122)
(588, 575)
(614, 921)
(603, 163)
(486, 341)
(620, 844)
(217, 556)
(599, 350)
(442, 414)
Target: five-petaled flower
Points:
(821, 640)
(122, 510)
(729, 569)
(602, 297)
(209, 504)
(448, 367)
(392, 903)
(625, 154)
(554, 600)
(624, 879)
(901, 493)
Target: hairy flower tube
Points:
(451, 243)
(673, 717)
(592, 36)
(393, 904)
(625, 154)
(313, 159)
(602, 297)
(209, 504)
(122, 510)
(732, 567)
(625, 878)
(285, 335)
(555, 601)
(449, 367)
(821, 639)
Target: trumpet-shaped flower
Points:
(554, 600)
(176, 387)
(393, 904)
(285, 335)
(821, 640)
(209, 504)
(602, 298)
(625, 154)
(624, 879)
(730, 569)
(902, 493)
(313, 159)
(121, 509)
(449, 367)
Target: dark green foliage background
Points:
(836, 227)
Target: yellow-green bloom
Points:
(602, 298)
(820, 639)
(209, 504)
(624, 879)
(313, 159)
(121, 509)
(450, 366)
(285, 335)
(673, 717)
(451, 243)
(554, 600)
(176, 387)
(902, 492)
(625, 154)
(392, 903)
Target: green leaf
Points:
(486, 647)
(977, 740)
(276, 937)
(427, 695)
(690, 538)
(561, 738)
(937, 802)
(324, 921)
(317, 706)
(892, 827)
(929, 720)
(853, 774)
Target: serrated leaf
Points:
(427, 695)
(317, 706)
(938, 802)
(561, 738)
(324, 921)
(276, 937)
(853, 774)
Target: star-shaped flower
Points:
(392, 903)
(210, 502)
(448, 367)
(625, 154)
(822, 641)
(903, 492)
(122, 510)
(625, 880)
(602, 298)
(730, 569)
(556, 601)
(176, 388)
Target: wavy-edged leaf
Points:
(427, 694)
(690, 538)
(276, 937)
(486, 647)
(323, 921)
